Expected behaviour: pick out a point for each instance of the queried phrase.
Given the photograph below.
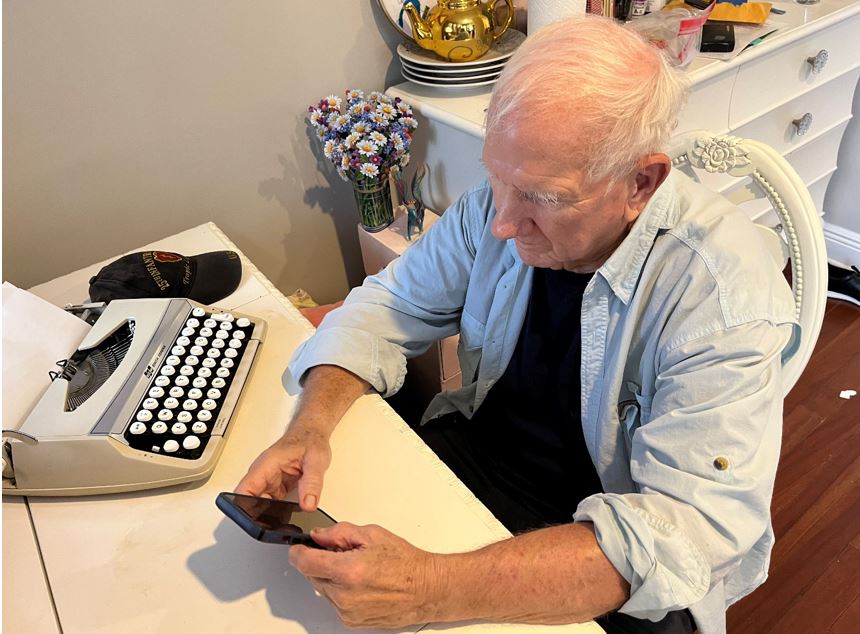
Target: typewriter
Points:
(144, 402)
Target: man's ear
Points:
(650, 174)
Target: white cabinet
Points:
(809, 67)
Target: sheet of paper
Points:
(36, 335)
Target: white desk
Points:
(168, 561)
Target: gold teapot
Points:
(458, 30)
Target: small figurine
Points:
(414, 205)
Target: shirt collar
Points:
(621, 270)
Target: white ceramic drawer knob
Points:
(802, 125)
(818, 61)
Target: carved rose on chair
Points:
(720, 153)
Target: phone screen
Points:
(272, 520)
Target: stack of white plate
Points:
(428, 69)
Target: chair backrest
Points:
(761, 181)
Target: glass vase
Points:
(373, 197)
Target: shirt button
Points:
(721, 463)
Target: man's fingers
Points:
(311, 482)
(341, 536)
(313, 562)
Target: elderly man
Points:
(622, 335)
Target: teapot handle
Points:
(510, 18)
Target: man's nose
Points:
(507, 223)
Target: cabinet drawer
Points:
(818, 157)
(708, 105)
(828, 105)
(785, 73)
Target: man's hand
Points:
(372, 577)
(300, 457)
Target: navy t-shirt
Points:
(531, 421)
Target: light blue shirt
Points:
(684, 332)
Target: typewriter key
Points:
(219, 382)
(201, 341)
(184, 417)
(178, 429)
(210, 323)
(199, 428)
(171, 403)
(238, 334)
(223, 372)
(235, 343)
(204, 373)
(171, 446)
(150, 403)
(214, 393)
(188, 332)
(144, 416)
(197, 351)
(191, 442)
(189, 404)
(159, 428)
(198, 382)
(186, 370)
(183, 341)
(156, 392)
(195, 393)
(221, 334)
(178, 350)
(173, 359)
(231, 353)
(226, 325)
(209, 404)
(204, 415)
(168, 370)
(243, 322)
(227, 362)
(198, 312)
(182, 381)
(192, 323)
(165, 414)
(209, 362)
(162, 381)
(218, 343)
(137, 428)
(191, 360)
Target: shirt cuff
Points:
(368, 356)
(665, 569)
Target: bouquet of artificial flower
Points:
(367, 136)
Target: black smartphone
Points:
(718, 38)
(273, 521)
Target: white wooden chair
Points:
(774, 195)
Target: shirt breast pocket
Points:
(635, 411)
(470, 346)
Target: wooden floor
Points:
(814, 583)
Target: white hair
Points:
(613, 97)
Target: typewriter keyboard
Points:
(182, 402)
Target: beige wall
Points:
(128, 120)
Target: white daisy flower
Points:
(328, 148)
(404, 108)
(386, 110)
(320, 133)
(355, 94)
(404, 160)
(398, 142)
(380, 120)
(341, 121)
(383, 98)
(352, 139)
(409, 122)
(378, 138)
(333, 102)
(344, 162)
(357, 109)
(375, 96)
(369, 169)
(365, 147)
(317, 117)
(360, 128)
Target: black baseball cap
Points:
(205, 278)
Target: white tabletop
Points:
(167, 560)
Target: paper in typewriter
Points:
(36, 335)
